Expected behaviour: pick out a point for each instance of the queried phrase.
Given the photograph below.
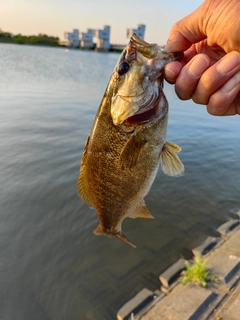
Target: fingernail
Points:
(228, 62)
(170, 74)
(232, 83)
(198, 65)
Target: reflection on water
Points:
(52, 266)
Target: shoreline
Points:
(113, 48)
(176, 301)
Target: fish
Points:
(127, 142)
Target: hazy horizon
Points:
(52, 17)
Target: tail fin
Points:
(125, 239)
(99, 231)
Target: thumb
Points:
(187, 31)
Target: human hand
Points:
(209, 72)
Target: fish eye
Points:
(123, 68)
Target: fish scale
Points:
(128, 139)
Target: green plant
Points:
(197, 272)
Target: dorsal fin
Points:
(141, 212)
(170, 162)
(82, 184)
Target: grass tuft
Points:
(197, 272)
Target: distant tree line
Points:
(41, 39)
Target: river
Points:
(52, 266)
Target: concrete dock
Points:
(175, 301)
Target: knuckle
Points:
(185, 86)
(206, 81)
(199, 99)
(182, 93)
(237, 101)
(219, 103)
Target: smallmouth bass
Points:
(127, 141)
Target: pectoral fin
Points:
(170, 162)
(130, 153)
(82, 184)
(141, 212)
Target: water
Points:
(52, 266)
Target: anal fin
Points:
(141, 212)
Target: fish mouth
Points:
(151, 50)
(136, 100)
(144, 114)
(151, 109)
(137, 109)
(141, 118)
(176, 55)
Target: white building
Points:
(140, 31)
(86, 39)
(72, 38)
(103, 38)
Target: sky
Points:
(54, 17)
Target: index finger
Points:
(187, 31)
